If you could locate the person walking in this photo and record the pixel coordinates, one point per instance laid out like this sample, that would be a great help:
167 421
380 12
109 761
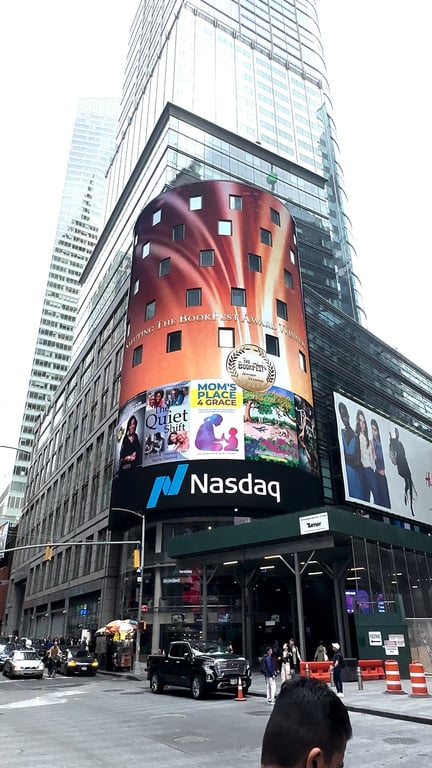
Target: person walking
321 652
338 665
295 658
269 675
285 664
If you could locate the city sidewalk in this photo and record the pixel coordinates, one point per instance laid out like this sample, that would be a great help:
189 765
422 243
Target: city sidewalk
372 700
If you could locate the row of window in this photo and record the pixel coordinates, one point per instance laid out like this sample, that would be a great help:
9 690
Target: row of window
226 339
194 299
206 258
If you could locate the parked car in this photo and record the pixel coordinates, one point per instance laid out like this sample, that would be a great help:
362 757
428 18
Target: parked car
77 661
23 663
201 666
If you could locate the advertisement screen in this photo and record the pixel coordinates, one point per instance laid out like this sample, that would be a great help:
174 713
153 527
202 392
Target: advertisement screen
4 529
216 363
384 465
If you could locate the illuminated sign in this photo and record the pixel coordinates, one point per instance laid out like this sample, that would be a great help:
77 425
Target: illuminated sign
216 364
384 465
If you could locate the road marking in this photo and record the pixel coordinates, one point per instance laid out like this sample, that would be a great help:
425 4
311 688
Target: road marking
43 701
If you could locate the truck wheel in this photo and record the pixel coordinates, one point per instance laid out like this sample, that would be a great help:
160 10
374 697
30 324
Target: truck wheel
197 687
155 684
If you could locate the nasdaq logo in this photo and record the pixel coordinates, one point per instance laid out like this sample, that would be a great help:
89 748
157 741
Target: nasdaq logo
166 486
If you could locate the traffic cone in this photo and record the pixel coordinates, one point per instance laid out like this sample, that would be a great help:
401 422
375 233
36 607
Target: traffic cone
240 695
418 680
393 680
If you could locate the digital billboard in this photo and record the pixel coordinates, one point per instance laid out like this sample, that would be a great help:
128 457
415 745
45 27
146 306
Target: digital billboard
384 465
4 530
215 375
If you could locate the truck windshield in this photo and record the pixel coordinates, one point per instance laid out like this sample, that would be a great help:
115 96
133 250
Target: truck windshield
207 647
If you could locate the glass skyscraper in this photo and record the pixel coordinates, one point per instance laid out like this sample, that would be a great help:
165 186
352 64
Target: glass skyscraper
256 70
230 92
76 236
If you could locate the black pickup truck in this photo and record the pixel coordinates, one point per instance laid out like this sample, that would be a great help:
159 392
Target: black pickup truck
201 666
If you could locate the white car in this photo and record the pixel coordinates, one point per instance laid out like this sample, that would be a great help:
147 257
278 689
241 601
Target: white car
25 663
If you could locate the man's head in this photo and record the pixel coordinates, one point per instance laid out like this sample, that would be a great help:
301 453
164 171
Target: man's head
308 728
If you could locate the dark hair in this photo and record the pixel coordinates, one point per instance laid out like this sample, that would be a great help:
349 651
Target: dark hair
307 714
374 423
358 430
130 420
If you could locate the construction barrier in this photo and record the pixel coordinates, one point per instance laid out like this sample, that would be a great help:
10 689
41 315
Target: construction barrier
392 675
320 670
371 669
418 680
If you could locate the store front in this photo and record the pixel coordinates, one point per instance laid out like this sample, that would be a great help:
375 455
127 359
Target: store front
324 574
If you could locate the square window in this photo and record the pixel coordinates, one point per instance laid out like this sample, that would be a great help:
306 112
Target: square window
288 279
150 310
266 236
173 341
195 203
254 262
206 258
135 288
178 232
164 267
281 309
238 297
193 297
292 257
302 361
137 356
145 250
157 215
224 227
235 202
272 345
226 337
275 216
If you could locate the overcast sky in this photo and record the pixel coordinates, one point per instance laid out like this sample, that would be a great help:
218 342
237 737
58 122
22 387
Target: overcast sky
379 63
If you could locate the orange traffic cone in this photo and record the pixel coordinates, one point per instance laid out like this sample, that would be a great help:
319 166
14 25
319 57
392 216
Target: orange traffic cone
240 695
393 680
418 680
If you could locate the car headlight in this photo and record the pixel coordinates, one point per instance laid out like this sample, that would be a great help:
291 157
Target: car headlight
72 663
41 665
94 664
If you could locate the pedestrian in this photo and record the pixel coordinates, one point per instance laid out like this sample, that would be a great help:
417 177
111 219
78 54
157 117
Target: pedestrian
321 652
308 728
295 658
338 665
285 664
269 673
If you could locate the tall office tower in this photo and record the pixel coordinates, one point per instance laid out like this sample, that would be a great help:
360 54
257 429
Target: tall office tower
256 70
76 235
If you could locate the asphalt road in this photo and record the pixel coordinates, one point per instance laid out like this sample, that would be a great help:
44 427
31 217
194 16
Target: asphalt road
82 722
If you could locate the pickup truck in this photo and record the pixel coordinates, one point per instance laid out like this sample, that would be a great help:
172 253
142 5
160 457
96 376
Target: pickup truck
201 666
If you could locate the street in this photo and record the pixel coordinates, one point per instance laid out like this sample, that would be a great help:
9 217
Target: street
72 723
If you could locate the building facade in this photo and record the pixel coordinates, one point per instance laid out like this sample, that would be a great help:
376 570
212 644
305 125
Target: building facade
76 236
267 127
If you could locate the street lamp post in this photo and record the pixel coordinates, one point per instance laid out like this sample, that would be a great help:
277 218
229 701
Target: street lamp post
140 582
140 596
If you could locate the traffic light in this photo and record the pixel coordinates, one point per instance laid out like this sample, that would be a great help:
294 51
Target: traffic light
136 558
48 552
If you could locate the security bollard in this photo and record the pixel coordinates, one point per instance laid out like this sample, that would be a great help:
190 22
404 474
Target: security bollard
331 677
359 679
307 670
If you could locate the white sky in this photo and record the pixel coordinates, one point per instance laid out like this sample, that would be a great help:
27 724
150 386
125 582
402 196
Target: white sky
379 62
